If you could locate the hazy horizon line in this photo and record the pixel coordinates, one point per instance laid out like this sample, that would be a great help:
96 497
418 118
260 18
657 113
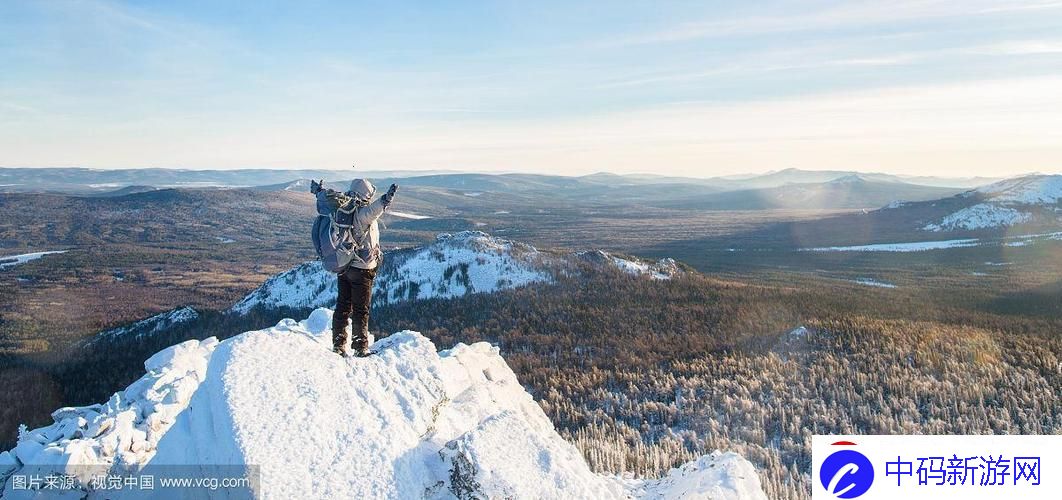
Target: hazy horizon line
448 171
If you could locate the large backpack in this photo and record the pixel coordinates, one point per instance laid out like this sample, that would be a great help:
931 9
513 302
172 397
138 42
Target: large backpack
337 237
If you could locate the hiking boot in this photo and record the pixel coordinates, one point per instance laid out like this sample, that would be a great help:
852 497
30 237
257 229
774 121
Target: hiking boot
360 348
342 351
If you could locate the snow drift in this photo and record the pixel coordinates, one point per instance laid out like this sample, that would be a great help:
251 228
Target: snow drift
409 422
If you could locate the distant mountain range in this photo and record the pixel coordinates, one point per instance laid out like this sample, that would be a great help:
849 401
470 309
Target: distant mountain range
91 180
848 191
798 176
439 192
1003 213
97 180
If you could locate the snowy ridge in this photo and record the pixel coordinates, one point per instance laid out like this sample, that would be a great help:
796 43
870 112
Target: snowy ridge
126 429
409 422
980 216
459 264
306 285
149 326
453 266
1005 203
660 270
1028 190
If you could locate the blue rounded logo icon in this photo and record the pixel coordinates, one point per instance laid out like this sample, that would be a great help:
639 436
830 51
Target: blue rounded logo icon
846 474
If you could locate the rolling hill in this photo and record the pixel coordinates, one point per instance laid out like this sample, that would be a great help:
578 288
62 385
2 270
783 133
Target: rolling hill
1034 200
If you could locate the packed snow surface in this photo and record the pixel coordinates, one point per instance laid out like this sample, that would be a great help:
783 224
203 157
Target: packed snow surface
408 422
14 260
453 266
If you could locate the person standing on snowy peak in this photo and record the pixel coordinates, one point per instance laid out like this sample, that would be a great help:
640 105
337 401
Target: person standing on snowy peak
346 236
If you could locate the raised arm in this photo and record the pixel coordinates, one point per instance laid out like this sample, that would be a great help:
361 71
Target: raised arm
328 200
376 208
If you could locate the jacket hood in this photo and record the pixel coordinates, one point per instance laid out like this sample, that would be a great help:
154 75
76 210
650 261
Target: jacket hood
362 188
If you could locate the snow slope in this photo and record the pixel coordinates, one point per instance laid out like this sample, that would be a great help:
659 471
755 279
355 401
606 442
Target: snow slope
1003 204
459 264
407 215
873 282
154 324
1028 190
409 422
918 246
452 266
14 260
980 216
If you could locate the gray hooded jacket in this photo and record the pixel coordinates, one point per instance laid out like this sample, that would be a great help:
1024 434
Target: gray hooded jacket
367 216
346 232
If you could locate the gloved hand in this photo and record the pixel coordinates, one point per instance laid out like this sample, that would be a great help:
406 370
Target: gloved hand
316 186
390 195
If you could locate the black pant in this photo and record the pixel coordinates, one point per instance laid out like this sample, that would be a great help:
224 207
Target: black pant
355 299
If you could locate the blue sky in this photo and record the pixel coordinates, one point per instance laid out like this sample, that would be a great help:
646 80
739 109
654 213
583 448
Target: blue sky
698 88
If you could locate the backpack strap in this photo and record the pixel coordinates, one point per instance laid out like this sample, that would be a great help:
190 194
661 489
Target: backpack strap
342 236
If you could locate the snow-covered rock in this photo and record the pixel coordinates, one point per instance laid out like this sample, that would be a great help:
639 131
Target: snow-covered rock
453 266
124 432
408 422
716 476
662 269
146 327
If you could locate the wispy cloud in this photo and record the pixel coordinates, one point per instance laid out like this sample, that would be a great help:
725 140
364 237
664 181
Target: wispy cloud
1019 48
144 83
749 68
846 15
19 108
